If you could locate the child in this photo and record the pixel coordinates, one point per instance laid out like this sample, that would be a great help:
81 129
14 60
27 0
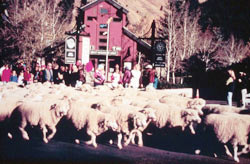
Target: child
20 78
13 77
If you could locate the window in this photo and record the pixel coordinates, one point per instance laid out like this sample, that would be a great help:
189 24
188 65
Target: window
103 33
103 40
102 47
117 19
90 18
103 25
104 11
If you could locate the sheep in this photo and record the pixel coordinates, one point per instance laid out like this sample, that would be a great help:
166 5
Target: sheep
215 108
230 128
184 102
40 113
174 116
196 104
127 121
96 122
150 114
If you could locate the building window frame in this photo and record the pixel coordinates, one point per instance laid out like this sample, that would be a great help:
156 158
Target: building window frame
91 18
101 47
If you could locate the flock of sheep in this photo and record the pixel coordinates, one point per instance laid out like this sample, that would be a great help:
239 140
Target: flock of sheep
125 112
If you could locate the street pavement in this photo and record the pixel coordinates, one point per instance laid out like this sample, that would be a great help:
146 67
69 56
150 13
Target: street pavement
177 148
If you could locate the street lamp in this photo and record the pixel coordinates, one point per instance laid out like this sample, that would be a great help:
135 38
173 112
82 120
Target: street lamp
107 50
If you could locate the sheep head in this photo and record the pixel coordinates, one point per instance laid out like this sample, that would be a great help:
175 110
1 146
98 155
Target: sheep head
150 113
196 104
139 120
61 108
108 122
190 116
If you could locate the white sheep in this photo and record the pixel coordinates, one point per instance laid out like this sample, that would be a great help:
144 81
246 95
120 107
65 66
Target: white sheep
127 120
185 102
151 116
40 113
216 108
96 122
175 116
230 128
197 104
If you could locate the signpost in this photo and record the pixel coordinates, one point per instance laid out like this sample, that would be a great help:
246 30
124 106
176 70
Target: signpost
159 54
158 48
70 50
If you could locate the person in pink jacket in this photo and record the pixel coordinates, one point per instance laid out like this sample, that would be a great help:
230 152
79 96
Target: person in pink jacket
6 74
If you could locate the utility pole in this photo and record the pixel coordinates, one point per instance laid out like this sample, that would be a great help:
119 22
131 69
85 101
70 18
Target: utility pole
107 50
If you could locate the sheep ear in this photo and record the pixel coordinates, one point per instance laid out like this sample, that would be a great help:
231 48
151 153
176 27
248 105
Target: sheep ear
142 111
96 106
101 123
184 113
131 116
52 106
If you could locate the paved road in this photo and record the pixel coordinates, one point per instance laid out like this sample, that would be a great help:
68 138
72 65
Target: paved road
59 152
177 148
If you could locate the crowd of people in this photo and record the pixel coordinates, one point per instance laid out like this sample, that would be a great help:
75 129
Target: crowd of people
74 75
53 73
237 84
134 78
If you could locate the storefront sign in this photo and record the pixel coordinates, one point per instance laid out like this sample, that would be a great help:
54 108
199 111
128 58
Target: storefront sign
70 50
85 50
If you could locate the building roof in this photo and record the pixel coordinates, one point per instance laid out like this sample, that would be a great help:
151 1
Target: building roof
112 2
135 38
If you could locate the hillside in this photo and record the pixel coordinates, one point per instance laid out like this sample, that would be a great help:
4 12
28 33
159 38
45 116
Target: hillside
142 13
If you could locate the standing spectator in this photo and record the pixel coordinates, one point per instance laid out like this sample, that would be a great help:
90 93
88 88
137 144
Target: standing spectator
242 81
42 73
61 73
151 76
116 76
145 76
126 77
55 73
20 78
6 74
13 77
1 71
136 75
156 81
230 83
99 76
74 76
49 73
27 76
37 74
66 76
82 78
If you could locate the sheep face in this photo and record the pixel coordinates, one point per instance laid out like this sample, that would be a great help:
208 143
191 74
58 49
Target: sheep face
61 109
110 123
196 104
140 121
191 116
150 113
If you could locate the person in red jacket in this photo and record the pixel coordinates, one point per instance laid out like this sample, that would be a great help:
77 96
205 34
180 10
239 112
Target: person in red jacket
27 76
6 74
151 76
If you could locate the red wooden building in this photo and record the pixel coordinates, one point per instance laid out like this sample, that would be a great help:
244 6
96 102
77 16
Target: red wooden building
98 34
